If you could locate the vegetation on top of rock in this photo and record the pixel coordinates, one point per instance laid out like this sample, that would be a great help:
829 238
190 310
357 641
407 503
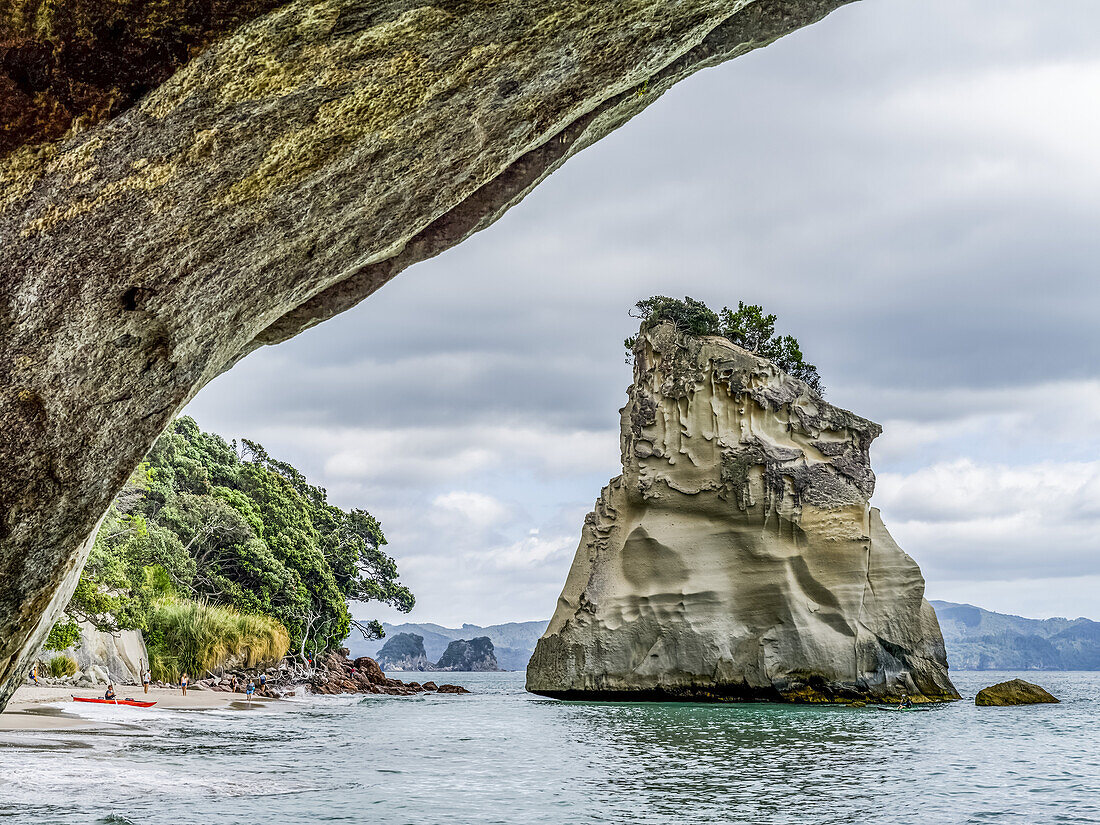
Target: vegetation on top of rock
747 327
402 649
202 520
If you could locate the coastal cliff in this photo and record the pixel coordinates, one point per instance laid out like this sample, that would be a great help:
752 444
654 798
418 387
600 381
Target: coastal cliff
737 556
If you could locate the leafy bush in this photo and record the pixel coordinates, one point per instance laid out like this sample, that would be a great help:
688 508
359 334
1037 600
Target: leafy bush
62 666
747 327
195 637
211 521
63 634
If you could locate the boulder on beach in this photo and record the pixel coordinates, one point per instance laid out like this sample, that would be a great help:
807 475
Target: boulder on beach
1013 692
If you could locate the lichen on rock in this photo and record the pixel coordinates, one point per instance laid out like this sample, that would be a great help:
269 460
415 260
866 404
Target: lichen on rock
737 556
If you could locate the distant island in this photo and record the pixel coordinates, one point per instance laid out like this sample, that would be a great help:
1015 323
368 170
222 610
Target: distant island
980 639
405 651
513 642
976 639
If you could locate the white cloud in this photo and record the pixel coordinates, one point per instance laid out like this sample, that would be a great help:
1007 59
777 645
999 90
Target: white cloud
476 510
529 553
962 491
416 456
1018 119
963 520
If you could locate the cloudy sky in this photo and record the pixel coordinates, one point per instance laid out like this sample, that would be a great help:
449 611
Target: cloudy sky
913 186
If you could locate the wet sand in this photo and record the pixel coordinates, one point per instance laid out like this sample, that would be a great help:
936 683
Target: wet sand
36 708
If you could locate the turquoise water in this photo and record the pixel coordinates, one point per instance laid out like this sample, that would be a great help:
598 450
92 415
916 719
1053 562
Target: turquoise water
503 756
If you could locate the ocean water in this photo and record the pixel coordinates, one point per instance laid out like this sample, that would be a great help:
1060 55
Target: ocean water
504 756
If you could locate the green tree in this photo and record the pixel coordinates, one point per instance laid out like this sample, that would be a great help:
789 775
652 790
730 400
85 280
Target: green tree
204 522
748 327
690 316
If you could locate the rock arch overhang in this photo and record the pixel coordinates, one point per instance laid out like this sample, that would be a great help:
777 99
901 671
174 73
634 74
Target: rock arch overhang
278 178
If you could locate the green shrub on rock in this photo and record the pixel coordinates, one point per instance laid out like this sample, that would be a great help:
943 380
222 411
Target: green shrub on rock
747 327
210 521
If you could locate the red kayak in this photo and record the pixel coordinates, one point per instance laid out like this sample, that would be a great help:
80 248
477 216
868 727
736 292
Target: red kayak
134 703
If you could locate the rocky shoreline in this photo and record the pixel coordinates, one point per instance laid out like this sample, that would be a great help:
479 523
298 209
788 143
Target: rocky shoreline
339 674
332 674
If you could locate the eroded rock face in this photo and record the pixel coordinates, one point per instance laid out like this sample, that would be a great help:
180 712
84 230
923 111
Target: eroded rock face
737 556
405 651
88 60
277 179
121 655
474 655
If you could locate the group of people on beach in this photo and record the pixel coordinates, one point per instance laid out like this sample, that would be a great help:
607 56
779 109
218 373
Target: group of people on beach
185 680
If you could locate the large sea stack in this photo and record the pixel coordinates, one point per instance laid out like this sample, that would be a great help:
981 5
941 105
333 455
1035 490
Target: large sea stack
737 556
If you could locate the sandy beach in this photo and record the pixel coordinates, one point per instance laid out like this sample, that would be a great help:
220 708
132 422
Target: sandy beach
35 708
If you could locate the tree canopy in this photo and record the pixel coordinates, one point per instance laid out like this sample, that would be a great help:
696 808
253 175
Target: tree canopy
747 327
210 521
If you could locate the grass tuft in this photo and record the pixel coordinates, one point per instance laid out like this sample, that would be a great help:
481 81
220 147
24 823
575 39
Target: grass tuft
62 666
197 637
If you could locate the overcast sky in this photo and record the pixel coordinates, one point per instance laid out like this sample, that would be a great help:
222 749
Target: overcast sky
913 186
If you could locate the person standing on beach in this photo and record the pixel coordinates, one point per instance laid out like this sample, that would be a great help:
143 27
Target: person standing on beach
184 681
249 690
146 678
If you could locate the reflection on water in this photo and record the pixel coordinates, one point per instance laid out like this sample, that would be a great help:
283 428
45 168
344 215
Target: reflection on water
503 756
753 759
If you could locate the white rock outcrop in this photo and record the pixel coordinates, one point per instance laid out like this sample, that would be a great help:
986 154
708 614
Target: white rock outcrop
737 556
109 657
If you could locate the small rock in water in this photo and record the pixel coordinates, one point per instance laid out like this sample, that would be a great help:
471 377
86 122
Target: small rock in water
452 689
1014 692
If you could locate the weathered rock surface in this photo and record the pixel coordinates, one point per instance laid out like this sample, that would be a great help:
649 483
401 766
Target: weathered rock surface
469 656
120 655
278 178
737 556
1013 692
404 651
87 60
